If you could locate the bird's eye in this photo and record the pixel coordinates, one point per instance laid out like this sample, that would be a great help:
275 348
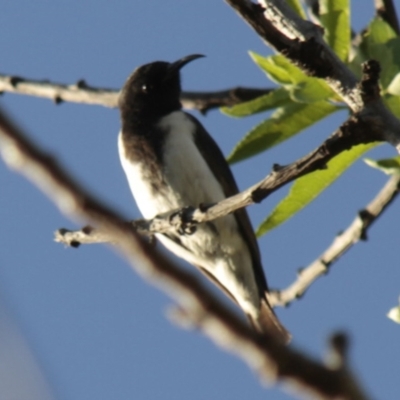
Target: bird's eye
145 88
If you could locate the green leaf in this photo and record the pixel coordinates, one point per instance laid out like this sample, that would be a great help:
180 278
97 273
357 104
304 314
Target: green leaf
380 31
274 99
394 314
279 69
307 188
285 122
382 44
389 166
335 18
393 103
310 91
296 6
394 86
357 57
391 62
302 88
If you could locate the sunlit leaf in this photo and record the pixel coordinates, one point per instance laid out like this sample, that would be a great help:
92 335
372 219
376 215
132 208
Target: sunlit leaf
380 31
389 166
382 44
276 98
302 88
307 188
394 314
285 122
279 69
310 91
394 86
335 18
393 103
357 57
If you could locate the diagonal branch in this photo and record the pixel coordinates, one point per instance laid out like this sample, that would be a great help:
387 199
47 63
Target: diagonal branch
351 133
197 304
81 92
302 43
355 232
387 10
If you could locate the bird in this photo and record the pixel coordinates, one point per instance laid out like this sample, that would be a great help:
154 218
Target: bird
171 162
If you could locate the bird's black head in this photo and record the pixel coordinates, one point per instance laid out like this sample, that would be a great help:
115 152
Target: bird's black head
153 90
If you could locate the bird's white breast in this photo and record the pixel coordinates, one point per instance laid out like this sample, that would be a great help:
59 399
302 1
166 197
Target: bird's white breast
217 247
188 178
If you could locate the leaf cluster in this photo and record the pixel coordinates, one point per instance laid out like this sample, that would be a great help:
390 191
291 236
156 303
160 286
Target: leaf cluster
299 101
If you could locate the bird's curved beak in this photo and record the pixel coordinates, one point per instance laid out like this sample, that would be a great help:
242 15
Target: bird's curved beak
177 65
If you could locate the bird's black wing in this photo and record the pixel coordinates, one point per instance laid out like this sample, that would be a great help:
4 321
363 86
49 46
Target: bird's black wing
220 168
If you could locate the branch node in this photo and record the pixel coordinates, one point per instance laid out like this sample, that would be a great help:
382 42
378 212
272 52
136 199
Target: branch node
87 229
339 348
299 295
369 84
62 236
326 265
277 167
257 196
81 84
182 221
366 218
57 99
14 80
203 207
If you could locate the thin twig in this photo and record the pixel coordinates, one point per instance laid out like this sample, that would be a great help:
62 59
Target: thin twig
81 92
205 101
355 232
91 235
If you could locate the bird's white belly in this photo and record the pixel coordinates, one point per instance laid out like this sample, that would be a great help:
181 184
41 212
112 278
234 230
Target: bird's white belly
188 179
218 247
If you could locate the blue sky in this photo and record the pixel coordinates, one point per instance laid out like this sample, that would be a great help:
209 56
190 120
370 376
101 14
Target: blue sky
96 330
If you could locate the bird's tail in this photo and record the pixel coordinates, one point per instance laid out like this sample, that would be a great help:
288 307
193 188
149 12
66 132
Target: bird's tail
267 322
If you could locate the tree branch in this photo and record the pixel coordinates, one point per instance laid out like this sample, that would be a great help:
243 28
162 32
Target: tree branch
183 221
91 235
205 101
198 305
81 92
302 42
355 232
387 11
